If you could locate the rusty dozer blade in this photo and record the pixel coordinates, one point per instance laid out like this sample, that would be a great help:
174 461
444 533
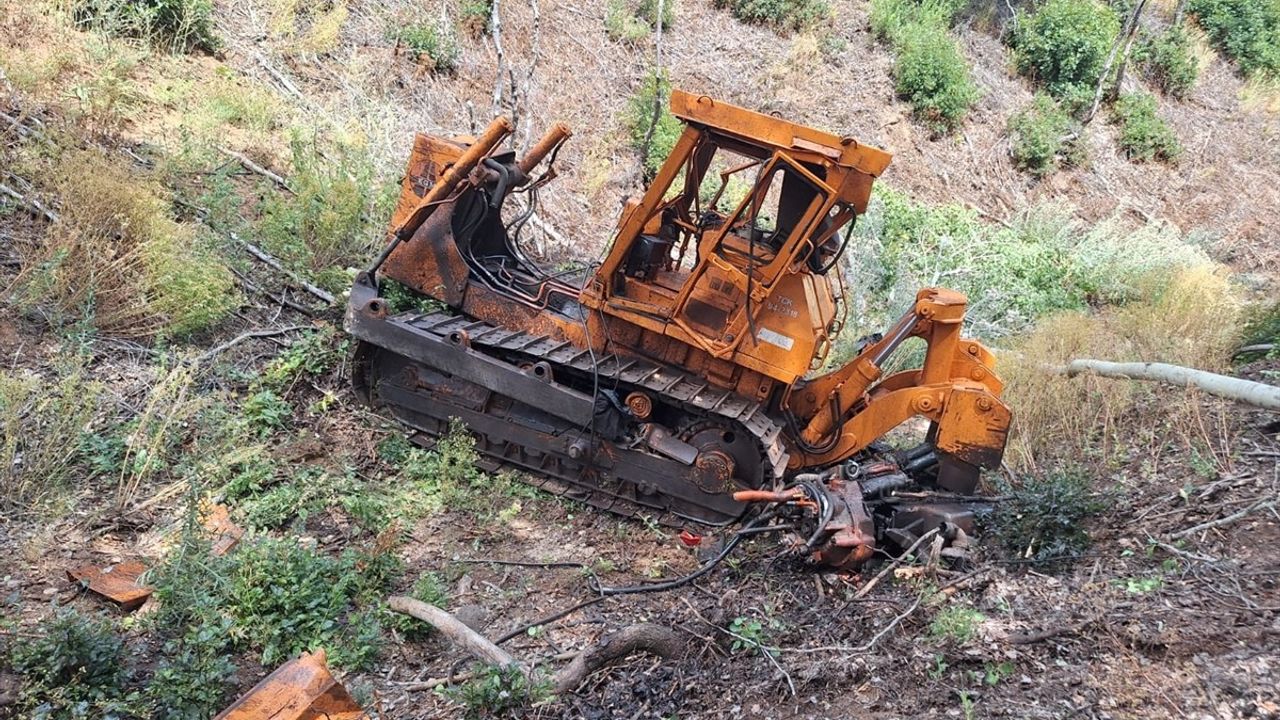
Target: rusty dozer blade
301 689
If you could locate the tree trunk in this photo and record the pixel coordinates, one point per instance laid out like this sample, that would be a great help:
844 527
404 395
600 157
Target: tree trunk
1246 391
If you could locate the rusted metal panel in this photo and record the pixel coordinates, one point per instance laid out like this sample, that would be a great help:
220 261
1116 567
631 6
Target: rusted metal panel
301 689
118 583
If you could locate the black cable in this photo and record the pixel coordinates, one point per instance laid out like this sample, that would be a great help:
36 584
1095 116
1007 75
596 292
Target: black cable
839 253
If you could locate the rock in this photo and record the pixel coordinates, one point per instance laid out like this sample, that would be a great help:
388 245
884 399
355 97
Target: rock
473 616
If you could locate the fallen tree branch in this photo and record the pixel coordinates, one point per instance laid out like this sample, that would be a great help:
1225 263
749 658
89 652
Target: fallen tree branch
1251 349
267 258
29 203
470 640
272 332
647 637
254 167
1223 520
1246 391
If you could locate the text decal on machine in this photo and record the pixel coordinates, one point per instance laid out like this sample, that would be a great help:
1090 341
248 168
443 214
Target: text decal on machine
775 338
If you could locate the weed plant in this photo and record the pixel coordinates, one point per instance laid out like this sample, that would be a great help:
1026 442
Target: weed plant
1170 62
1063 45
1045 137
1144 137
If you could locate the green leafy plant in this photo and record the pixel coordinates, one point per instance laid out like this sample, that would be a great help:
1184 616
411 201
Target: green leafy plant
432 43
1168 60
1143 135
401 298
499 692
314 353
957 623
477 15
266 411
1043 520
931 73
653 140
430 588
1064 45
178 24
1045 137
75 668
195 673
786 15
1247 31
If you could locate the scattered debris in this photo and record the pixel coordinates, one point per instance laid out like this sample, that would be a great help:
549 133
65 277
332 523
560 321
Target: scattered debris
222 529
118 583
301 689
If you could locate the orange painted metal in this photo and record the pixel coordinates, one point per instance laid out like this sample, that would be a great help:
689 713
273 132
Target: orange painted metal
301 689
118 583
223 531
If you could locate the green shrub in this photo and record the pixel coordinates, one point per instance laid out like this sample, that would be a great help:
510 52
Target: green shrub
178 24
499 692
1045 137
889 18
429 588
74 668
1043 519
626 23
792 15
1143 135
476 16
332 218
648 12
1247 31
1064 45
431 43
931 73
195 673
314 353
639 118
957 623
1169 61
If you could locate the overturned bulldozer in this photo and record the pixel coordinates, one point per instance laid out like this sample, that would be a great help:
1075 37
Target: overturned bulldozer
679 377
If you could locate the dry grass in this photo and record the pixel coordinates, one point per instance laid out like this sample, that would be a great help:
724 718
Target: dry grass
115 260
1192 318
40 426
169 407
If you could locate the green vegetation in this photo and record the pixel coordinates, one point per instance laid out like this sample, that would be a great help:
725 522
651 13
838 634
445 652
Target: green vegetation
177 24
1043 521
429 588
499 692
1064 45
929 69
1247 31
1045 137
476 16
957 623
1143 135
333 216
786 15
74 668
625 22
1169 61
431 43
652 140
36 467
267 412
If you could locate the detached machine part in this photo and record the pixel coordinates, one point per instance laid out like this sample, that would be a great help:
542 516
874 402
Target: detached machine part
680 378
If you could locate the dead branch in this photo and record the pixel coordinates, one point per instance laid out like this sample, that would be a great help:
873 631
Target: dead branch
254 167
1251 349
267 258
1265 503
470 640
897 561
284 81
647 637
1124 39
29 203
1246 391
271 332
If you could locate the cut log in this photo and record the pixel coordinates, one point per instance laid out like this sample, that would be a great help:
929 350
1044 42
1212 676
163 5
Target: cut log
1246 391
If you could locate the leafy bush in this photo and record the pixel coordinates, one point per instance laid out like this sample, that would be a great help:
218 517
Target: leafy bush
957 623
1247 31
1143 135
498 692
431 43
1045 137
429 588
75 668
1043 520
315 353
639 119
1064 45
890 18
648 11
179 24
1169 61
267 411
931 73
332 218
194 674
793 15
626 23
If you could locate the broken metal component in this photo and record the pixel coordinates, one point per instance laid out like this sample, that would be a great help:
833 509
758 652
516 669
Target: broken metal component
118 583
301 689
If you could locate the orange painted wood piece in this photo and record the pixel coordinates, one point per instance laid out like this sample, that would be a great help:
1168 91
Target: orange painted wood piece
225 533
301 689
118 583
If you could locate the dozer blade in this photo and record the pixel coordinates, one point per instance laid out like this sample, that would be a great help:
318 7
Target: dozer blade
301 689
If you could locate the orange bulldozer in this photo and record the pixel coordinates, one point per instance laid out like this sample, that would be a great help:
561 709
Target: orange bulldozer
682 376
